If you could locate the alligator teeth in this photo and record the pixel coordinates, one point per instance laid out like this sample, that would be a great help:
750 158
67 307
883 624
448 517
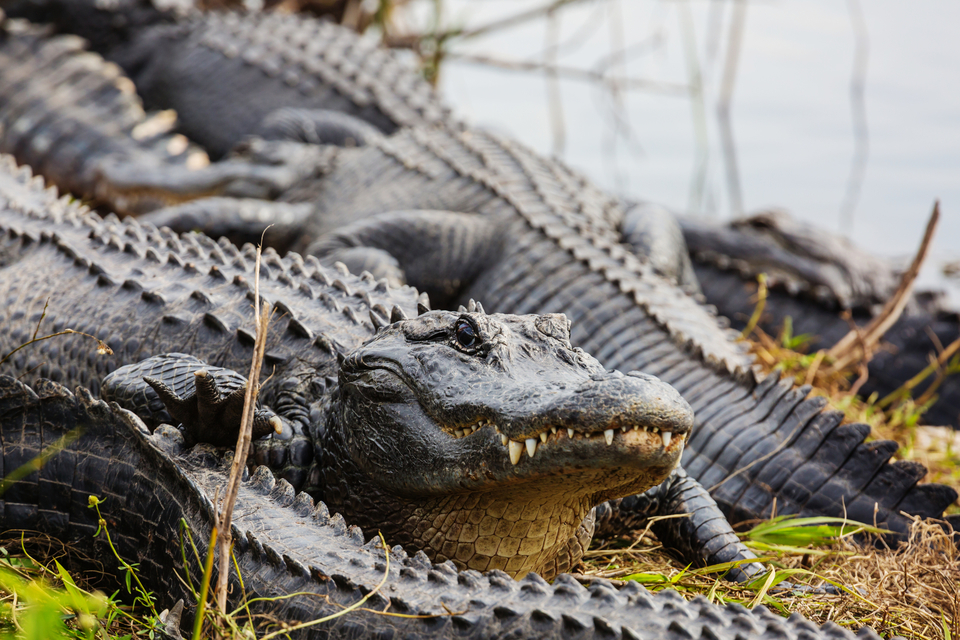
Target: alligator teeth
553 430
608 436
665 436
543 437
531 446
277 425
458 433
504 439
516 448
570 433
623 429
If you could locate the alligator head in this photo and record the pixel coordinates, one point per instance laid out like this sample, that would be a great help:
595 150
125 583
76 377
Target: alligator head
488 439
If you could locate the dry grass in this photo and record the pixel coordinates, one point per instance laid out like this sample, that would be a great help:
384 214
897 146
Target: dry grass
912 591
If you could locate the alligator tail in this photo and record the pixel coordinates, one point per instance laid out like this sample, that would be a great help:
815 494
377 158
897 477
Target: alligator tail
785 454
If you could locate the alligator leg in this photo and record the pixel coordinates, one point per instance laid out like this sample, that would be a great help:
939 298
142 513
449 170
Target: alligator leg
239 219
703 538
316 126
436 251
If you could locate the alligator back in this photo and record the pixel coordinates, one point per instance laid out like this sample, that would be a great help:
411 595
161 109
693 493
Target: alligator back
65 111
224 72
144 292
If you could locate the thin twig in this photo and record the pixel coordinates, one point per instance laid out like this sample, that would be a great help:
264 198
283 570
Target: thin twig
910 384
410 40
575 73
224 540
43 314
757 310
554 99
731 62
847 350
858 114
102 347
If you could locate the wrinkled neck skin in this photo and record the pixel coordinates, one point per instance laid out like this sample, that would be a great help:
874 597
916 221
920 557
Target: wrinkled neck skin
517 529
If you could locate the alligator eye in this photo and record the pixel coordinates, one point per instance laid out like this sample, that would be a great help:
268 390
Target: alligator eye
466 335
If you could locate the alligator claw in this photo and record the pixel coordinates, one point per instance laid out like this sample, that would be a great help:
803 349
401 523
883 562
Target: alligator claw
170 621
209 415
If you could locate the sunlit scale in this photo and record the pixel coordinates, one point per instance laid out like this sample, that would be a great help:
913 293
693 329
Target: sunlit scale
515 449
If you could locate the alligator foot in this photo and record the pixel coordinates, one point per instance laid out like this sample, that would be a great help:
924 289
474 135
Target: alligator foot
209 415
317 126
207 401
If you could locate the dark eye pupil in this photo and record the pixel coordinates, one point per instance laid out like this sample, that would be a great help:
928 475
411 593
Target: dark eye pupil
466 336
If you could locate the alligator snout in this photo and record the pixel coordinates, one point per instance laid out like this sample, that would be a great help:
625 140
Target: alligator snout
601 407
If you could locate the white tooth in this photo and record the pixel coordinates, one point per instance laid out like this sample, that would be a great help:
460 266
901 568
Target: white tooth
553 430
543 437
473 428
531 446
504 439
665 436
516 448
459 433
608 436
645 429
636 427
623 429
570 433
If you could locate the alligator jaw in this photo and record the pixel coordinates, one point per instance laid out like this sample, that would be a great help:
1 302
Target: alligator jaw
629 435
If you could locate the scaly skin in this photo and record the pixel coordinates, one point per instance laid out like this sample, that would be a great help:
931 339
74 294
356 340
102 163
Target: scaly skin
530 236
564 254
284 544
145 292
225 72
72 116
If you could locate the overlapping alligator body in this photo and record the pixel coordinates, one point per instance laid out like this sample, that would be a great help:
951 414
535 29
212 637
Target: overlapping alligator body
73 116
533 236
226 73
529 235
287 545
146 292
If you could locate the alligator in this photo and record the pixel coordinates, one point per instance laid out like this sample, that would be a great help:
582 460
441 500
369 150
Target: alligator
550 241
230 74
287 544
813 278
71 115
